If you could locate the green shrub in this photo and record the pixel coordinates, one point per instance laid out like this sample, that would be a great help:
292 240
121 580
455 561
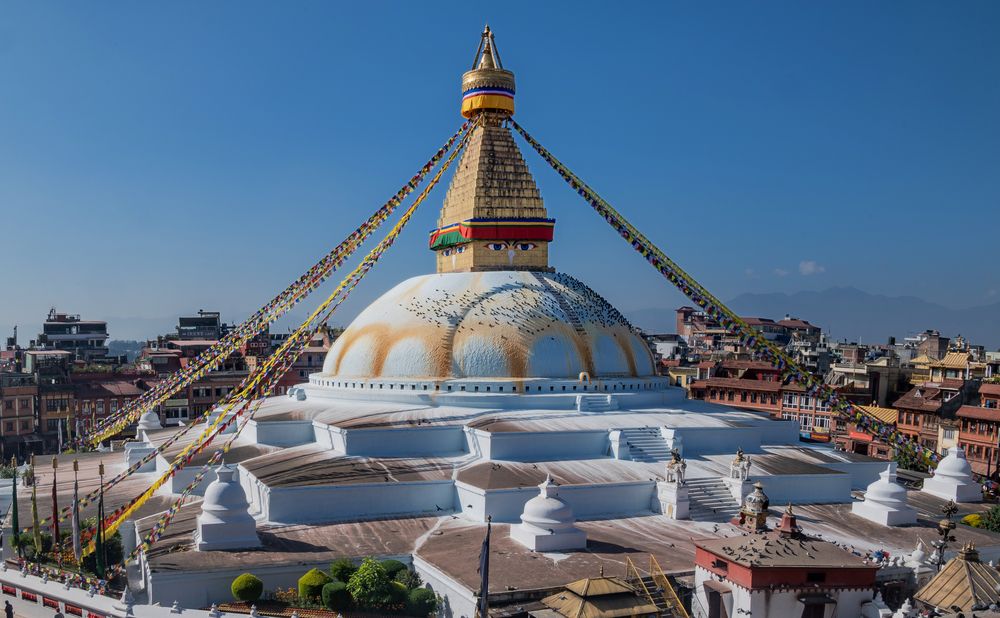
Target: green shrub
370 586
409 578
990 519
421 602
342 569
398 594
975 520
392 567
247 587
336 597
311 584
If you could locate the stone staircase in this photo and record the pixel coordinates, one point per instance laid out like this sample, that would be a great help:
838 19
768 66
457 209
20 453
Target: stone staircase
646 444
596 403
710 500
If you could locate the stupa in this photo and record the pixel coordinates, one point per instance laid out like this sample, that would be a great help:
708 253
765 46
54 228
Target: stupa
224 523
885 501
952 479
547 522
451 397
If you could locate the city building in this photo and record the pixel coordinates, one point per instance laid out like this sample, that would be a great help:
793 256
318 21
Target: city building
205 325
85 340
18 396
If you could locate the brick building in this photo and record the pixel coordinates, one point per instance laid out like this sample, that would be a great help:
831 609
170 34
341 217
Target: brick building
18 396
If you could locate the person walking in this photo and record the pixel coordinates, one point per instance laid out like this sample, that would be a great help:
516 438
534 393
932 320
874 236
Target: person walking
8 610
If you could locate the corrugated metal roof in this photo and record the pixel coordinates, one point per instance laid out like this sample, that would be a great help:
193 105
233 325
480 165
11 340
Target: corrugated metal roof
886 415
953 360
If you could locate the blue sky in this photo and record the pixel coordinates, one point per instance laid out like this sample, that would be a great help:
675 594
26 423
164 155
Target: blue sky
160 158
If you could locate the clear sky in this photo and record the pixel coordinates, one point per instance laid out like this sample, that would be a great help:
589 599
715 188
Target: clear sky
160 158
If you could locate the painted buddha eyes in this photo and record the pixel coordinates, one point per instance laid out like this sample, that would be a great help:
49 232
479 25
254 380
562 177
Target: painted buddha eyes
520 246
454 250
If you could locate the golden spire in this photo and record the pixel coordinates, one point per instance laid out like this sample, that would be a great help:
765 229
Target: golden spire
493 216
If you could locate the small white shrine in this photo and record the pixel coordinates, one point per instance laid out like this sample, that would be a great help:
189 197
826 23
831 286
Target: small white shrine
148 422
953 480
225 522
547 523
885 501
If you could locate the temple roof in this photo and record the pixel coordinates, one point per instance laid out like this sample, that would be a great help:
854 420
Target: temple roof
599 597
773 549
964 582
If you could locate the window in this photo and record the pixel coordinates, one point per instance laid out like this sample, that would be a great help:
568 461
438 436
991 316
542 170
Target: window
815 577
52 424
24 425
9 404
9 426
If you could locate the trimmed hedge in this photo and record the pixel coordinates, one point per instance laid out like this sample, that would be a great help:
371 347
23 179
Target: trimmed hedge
421 602
311 584
247 587
392 567
336 597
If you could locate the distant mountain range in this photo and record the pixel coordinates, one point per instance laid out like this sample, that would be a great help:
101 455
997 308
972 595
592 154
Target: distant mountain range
850 313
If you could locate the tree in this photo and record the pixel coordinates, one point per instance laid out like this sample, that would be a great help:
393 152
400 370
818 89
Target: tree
990 520
342 569
336 597
409 578
370 586
247 587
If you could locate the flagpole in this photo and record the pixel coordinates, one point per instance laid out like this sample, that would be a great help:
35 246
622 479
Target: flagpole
99 540
56 541
15 524
77 550
36 527
483 606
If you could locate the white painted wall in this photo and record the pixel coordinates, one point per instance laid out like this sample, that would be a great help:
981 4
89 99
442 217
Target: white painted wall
534 446
358 501
280 433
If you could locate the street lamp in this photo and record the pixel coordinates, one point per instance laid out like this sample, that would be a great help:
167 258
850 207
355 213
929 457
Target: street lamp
945 526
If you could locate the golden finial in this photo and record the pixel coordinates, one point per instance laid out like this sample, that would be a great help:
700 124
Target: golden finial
487 86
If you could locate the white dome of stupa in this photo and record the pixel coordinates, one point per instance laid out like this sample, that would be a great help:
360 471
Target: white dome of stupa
886 491
489 324
546 510
547 522
885 501
225 522
149 421
954 465
953 479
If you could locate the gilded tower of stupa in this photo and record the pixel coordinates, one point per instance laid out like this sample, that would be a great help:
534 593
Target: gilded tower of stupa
493 217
